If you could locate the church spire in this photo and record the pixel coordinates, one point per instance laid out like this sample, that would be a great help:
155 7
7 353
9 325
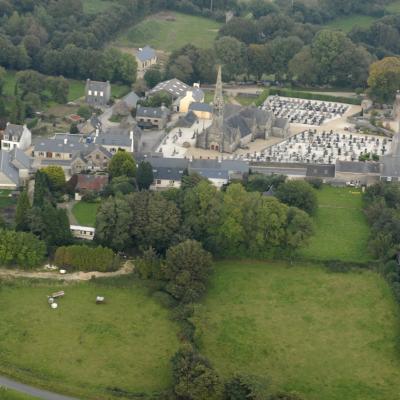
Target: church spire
218 96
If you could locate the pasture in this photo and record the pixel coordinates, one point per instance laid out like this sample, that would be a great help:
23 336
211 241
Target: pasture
85 213
170 31
114 350
341 230
327 336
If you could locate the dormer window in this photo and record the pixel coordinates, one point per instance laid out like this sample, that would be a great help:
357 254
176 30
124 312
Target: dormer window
90 92
95 92
5 137
15 139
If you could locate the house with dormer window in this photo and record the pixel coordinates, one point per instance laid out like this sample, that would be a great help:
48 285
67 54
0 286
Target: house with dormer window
97 94
16 137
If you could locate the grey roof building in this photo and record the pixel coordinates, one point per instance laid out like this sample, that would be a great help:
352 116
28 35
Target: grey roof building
14 168
146 54
174 87
97 94
152 117
216 169
202 107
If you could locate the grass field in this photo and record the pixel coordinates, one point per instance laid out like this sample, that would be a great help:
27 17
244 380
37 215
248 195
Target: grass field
96 6
328 336
8 394
170 31
5 200
346 24
85 213
81 348
393 7
341 229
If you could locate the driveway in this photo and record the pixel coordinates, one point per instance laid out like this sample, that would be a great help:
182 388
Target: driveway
32 391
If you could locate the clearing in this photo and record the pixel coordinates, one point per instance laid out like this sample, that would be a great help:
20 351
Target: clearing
347 23
169 31
96 6
85 213
327 336
86 350
342 231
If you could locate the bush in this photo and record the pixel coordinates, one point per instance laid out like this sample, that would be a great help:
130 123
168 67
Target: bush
85 258
316 183
298 194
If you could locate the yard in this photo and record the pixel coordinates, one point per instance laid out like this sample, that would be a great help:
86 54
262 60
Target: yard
85 213
170 31
117 350
5 199
327 336
341 229
8 394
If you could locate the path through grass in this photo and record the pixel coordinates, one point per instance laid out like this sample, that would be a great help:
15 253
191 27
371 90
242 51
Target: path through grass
81 348
327 336
342 231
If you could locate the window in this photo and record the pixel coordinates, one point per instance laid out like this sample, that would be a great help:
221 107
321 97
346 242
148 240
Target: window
89 92
97 156
95 92
58 155
101 94
70 155
158 181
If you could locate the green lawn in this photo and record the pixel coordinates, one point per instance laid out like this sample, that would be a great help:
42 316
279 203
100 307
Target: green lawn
168 35
327 336
341 229
8 394
346 24
85 349
85 213
5 199
96 6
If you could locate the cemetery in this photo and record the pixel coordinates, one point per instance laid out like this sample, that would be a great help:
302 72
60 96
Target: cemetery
323 148
306 112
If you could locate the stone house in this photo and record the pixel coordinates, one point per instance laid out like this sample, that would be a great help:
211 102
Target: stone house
16 136
193 95
152 117
146 57
97 94
15 167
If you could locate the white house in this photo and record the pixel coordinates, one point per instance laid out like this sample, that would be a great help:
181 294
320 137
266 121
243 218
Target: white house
16 137
82 232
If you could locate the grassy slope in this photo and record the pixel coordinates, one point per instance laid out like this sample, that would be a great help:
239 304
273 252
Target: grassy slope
85 213
171 35
341 229
8 394
82 348
327 336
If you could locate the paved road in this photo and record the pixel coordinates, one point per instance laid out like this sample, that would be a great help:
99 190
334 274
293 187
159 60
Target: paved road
26 389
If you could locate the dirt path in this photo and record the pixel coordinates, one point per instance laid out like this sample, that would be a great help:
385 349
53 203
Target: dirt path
68 207
75 276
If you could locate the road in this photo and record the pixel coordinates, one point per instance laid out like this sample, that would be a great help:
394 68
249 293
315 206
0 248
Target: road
32 391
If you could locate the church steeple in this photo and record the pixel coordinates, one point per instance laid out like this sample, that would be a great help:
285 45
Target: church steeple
218 96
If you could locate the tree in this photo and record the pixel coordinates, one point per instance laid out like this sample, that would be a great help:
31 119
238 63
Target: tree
181 68
122 164
298 194
58 88
298 230
2 78
144 175
55 177
187 269
153 76
194 378
384 79
41 190
22 212
243 387
231 53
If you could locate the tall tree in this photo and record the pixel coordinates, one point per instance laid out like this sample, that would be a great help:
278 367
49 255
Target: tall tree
144 175
122 164
22 212
384 79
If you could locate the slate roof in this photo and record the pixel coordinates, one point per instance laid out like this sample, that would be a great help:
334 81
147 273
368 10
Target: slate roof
203 107
7 168
113 139
13 130
150 112
97 85
19 159
168 168
131 99
391 167
59 146
211 173
209 168
358 167
197 94
174 87
187 121
146 54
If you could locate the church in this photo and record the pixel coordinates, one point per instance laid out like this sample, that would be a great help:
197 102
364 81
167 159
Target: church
234 126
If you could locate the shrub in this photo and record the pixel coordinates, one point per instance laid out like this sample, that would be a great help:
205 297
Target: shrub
316 183
85 258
